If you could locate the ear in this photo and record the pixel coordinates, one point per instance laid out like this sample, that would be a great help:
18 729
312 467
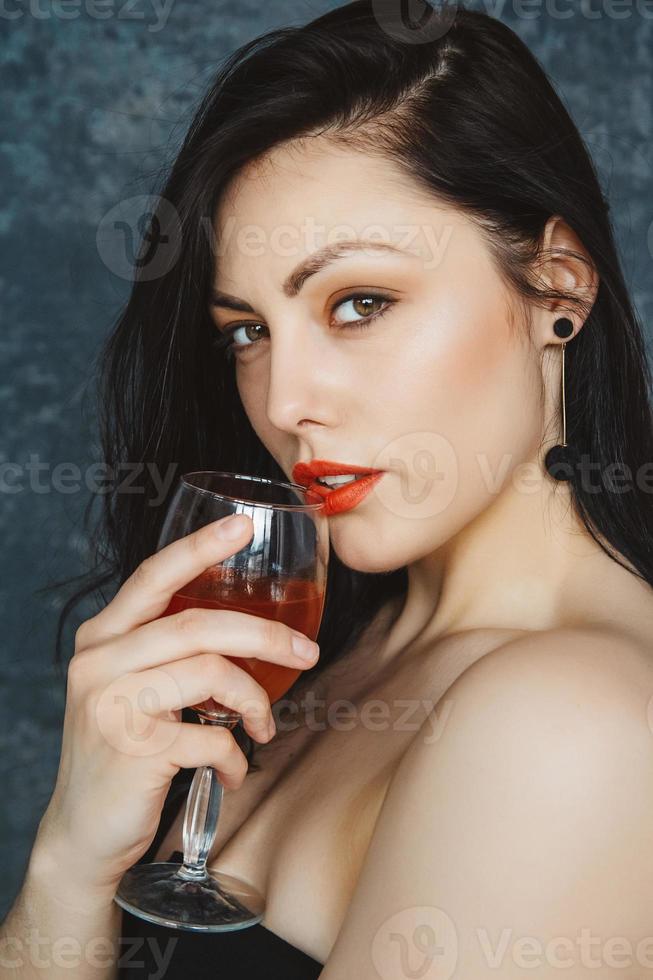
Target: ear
564 264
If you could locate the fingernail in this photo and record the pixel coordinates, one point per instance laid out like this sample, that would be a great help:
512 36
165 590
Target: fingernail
232 527
304 647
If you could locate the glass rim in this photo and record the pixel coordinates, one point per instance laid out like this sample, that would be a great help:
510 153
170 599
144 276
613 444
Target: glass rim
186 480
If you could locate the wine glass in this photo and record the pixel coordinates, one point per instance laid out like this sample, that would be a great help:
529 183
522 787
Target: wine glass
281 575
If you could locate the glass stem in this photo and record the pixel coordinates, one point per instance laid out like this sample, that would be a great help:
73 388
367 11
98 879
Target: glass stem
202 812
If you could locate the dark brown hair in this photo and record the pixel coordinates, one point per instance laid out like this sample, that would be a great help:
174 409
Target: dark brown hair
472 118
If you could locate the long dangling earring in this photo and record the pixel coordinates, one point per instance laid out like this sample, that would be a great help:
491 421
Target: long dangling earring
560 459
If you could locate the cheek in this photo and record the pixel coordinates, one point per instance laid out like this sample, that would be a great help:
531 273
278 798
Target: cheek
474 381
250 398
491 392
465 411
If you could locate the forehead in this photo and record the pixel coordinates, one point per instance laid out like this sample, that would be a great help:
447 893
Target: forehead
288 176
309 193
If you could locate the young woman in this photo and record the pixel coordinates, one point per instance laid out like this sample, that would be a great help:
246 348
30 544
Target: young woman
481 805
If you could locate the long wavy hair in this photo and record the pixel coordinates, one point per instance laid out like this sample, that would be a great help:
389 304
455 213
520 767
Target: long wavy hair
470 116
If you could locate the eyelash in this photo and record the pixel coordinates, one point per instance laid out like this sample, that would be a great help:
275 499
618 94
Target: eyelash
224 341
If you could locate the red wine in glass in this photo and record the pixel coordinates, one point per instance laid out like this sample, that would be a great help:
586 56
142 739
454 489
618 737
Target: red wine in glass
280 574
296 602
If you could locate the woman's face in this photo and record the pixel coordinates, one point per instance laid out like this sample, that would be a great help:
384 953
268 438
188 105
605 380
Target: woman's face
422 374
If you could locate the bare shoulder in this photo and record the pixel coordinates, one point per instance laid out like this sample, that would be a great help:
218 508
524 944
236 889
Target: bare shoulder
586 661
525 819
572 698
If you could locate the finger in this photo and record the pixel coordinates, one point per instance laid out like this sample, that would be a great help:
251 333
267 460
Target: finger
197 630
148 591
191 681
209 745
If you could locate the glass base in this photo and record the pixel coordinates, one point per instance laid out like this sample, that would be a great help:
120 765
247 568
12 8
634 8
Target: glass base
219 903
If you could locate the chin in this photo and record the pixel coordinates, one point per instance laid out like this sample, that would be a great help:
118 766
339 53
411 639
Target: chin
372 567
369 552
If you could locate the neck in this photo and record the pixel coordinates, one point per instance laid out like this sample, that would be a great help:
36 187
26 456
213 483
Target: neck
526 562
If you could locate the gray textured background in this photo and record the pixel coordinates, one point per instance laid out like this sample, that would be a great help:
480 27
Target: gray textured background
92 109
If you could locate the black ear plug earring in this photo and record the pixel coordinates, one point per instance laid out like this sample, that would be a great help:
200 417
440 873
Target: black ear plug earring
560 459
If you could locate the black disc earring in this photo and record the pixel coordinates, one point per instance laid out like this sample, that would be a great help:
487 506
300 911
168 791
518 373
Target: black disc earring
560 459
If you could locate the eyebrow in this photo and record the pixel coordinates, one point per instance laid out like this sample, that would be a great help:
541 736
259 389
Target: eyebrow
309 267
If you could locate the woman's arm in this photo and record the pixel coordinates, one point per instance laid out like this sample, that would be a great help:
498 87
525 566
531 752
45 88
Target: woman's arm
59 926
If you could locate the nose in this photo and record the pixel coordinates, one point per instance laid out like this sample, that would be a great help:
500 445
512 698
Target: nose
303 388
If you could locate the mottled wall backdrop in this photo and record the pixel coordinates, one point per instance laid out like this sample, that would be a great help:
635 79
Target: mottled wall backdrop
96 99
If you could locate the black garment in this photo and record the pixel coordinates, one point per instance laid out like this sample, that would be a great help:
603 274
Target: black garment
153 952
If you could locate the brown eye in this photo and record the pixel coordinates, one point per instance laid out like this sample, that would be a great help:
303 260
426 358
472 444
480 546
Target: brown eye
362 305
365 308
244 335
250 331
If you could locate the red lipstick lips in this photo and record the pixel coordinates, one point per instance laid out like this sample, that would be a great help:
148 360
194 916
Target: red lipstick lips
342 498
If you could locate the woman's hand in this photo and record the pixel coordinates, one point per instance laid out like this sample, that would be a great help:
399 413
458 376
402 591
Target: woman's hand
131 674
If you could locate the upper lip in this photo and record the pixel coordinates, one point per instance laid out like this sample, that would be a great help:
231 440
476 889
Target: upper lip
305 473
